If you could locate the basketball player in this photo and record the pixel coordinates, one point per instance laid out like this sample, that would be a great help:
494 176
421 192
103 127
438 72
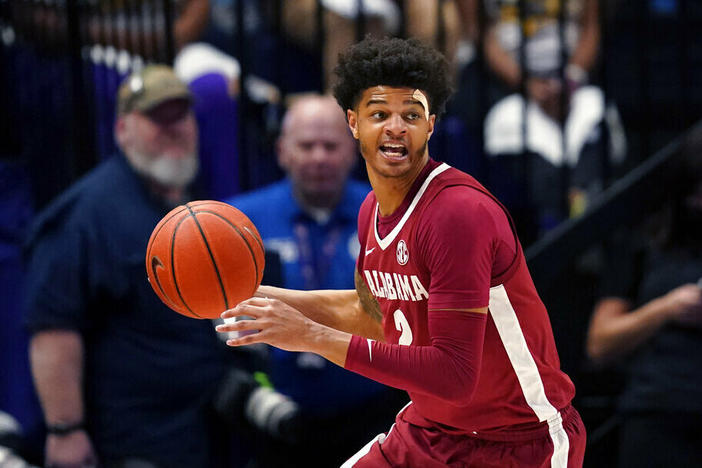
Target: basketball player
444 305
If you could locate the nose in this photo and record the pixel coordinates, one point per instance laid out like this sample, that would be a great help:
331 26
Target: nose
395 126
318 154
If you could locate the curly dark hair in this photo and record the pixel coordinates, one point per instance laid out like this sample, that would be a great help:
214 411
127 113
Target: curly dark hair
392 62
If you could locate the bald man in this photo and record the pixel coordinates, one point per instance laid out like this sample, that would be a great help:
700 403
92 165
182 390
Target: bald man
317 152
309 219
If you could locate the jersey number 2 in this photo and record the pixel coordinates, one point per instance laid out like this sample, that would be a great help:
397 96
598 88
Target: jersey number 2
403 326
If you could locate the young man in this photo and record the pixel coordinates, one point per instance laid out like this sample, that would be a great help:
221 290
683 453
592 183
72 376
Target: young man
445 307
309 220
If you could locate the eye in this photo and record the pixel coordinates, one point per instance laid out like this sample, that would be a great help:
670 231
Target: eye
412 115
378 115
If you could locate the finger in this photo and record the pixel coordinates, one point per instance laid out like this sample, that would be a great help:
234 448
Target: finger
240 325
259 300
252 306
243 309
245 340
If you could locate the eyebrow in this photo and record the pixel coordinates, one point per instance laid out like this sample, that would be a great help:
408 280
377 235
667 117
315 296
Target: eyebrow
410 101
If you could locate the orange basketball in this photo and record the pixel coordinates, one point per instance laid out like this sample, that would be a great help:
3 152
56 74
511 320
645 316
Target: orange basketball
203 258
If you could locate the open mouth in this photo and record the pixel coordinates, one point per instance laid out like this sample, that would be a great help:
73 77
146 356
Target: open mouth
395 151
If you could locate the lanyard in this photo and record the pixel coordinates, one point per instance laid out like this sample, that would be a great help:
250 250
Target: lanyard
315 260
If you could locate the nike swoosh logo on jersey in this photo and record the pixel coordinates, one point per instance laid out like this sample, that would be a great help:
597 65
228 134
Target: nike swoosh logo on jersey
368 251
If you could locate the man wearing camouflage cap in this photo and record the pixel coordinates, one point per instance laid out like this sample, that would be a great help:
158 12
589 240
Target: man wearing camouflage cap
116 386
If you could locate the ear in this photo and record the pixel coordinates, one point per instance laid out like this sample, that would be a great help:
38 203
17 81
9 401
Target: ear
353 122
120 131
430 129
283 157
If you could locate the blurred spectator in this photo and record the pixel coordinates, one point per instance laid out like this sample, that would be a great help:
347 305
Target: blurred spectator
649 320
18 402
291 26
213 78
114 384
309 219
138 27
126 34
548 50
433 21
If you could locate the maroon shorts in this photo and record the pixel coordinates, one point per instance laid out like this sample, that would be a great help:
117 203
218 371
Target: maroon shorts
407 445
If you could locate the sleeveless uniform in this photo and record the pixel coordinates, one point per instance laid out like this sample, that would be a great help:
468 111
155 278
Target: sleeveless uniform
451 245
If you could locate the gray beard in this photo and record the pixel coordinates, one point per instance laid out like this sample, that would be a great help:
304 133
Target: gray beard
169 172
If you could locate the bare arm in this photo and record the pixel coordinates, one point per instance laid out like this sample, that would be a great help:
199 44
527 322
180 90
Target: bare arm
56 358
468 12
615 330
585 52
356 312
500 61
191 21
277 320
321 321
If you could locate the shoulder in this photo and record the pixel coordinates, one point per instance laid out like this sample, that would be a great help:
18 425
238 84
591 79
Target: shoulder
77 207
269 197
454 198
464 208
269 208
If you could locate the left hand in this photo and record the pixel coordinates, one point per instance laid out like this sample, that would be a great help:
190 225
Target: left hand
273 322
686 303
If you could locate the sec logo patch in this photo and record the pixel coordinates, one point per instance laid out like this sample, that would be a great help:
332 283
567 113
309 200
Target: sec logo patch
402 253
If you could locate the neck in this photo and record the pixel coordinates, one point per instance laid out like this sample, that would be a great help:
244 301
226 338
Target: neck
314 204
391 191
173 196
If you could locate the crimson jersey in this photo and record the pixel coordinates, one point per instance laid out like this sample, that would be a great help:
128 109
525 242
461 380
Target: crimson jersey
452 246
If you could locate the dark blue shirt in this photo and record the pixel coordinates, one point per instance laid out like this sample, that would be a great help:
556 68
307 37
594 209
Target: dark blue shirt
663 374
148 371
314 255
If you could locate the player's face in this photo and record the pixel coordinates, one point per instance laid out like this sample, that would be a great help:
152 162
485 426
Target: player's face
393 126
317 152
162 143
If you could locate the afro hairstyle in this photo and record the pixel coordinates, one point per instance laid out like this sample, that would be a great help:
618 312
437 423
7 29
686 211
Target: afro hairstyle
402 63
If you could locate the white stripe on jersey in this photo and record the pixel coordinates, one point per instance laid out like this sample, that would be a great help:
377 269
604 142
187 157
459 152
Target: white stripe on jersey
363 452
527 373
380 438
383 243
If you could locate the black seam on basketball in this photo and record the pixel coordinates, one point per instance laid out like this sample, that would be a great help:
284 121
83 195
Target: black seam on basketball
154 265
170 302
263 250
163 222
173 272
253 255
209 250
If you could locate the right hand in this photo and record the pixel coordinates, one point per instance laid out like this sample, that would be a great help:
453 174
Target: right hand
274 323
72 450
685 304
